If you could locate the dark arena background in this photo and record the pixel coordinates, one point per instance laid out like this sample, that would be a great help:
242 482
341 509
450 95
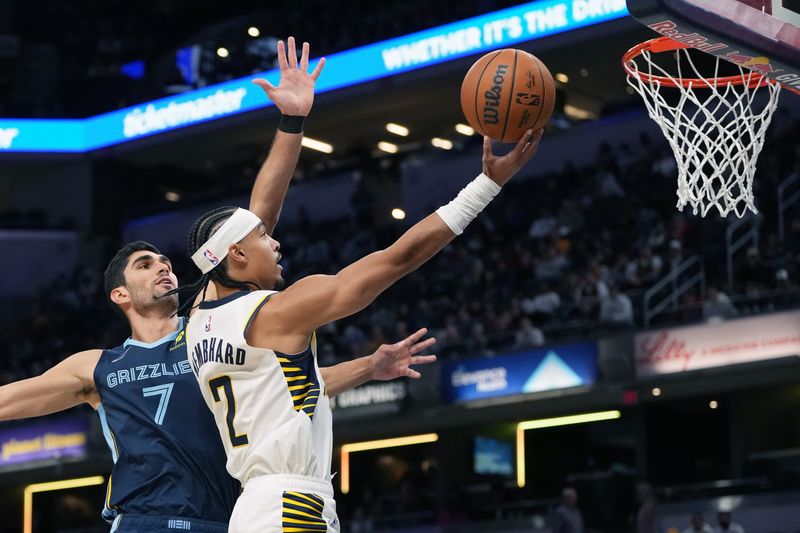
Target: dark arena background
600 352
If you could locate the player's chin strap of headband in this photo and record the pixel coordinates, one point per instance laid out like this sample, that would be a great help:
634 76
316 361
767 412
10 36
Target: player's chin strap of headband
215 249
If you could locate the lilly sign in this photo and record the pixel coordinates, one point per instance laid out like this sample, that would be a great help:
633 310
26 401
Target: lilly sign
494 30
743 340
547 369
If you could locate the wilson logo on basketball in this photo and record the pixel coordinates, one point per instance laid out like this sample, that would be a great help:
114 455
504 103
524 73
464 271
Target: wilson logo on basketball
491 114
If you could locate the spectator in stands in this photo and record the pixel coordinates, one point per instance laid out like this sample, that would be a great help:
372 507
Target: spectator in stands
543 225
570 218
753 275
608 185
699 524
616 309
645 514
645 270
726 525
775 255
544 305
717 306
786 290
567 517
528 335
550 263
674 254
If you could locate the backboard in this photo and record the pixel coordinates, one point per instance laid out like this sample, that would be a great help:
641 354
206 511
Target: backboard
762 35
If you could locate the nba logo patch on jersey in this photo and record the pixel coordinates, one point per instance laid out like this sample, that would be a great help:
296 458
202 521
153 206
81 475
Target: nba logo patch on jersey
213 259
207 327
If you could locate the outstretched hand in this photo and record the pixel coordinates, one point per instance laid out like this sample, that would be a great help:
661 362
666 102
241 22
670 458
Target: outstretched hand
392 361
294 94
500 169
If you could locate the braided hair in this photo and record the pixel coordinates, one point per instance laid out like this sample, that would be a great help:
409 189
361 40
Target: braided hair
202 230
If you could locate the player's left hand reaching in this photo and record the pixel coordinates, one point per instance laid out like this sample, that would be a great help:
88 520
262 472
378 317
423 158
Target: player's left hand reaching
294 94
392 361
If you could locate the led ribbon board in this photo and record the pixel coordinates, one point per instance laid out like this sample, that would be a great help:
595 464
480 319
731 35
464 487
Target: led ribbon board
494 30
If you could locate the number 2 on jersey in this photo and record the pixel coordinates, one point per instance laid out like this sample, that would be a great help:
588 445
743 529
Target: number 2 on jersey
224 382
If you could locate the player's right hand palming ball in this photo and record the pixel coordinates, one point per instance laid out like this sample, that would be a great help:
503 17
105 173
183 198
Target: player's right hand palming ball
507 92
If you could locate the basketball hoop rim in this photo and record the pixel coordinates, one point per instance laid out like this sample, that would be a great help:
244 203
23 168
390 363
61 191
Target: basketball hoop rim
665 44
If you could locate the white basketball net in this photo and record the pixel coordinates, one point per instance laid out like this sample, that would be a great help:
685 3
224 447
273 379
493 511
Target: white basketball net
716 131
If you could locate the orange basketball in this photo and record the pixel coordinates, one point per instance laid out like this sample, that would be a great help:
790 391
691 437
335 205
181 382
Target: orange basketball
506 92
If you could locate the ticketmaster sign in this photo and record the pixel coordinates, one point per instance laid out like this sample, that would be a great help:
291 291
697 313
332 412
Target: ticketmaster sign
422 49
523 372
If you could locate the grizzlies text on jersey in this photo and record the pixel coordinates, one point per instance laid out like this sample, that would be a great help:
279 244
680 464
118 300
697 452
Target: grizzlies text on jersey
168 459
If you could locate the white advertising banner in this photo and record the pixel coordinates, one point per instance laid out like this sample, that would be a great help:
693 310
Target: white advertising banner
710 345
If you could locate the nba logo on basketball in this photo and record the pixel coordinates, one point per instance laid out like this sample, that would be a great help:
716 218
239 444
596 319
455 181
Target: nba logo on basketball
207 327
208 254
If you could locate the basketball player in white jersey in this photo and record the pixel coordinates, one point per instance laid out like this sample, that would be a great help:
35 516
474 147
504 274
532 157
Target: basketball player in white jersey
168 479
253 351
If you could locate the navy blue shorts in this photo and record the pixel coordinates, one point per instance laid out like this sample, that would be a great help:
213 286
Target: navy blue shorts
133 523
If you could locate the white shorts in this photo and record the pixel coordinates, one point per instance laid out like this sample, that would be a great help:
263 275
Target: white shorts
285 504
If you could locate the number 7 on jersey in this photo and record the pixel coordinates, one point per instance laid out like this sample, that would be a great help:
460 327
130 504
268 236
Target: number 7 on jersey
224 382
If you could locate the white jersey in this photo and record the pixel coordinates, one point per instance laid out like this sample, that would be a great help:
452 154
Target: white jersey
271 408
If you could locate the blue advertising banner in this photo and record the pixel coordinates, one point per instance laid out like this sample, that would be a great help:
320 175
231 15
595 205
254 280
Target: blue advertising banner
523 372
483 33
44 440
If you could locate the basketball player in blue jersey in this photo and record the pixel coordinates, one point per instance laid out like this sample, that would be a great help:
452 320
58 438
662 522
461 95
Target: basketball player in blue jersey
253 349
169 465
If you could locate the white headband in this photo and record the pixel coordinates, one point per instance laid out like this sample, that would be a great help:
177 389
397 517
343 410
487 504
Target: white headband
215 249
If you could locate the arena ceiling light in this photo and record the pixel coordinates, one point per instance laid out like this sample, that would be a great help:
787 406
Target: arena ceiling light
398 214
397 129
561 77
319 146
444 144
172 196
387 147
347 449
222 51
463 129
578 113
542 423
30 490
252 31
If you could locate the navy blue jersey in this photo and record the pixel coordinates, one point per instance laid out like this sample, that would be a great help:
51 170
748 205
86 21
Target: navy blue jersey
168 458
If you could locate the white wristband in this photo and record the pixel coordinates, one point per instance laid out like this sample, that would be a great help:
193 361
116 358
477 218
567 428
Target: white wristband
470 201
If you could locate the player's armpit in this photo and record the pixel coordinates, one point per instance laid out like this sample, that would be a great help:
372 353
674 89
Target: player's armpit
66 385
